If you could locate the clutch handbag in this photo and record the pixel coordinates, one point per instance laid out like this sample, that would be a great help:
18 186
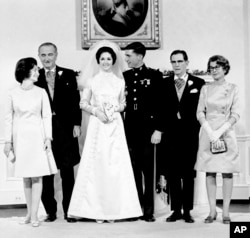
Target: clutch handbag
51 162
217 150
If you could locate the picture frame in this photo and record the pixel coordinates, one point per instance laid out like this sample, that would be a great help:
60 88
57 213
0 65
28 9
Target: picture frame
100 21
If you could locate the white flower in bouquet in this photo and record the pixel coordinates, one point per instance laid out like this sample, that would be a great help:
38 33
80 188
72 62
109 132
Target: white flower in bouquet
109 110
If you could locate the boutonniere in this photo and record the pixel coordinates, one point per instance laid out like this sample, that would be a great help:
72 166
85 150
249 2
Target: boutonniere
190 82
195 90
145 82
60 73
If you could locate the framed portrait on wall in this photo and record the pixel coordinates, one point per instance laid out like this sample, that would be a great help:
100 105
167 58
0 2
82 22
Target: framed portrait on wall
122 21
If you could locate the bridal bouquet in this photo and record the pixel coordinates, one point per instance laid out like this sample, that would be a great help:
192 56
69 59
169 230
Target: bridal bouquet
109 110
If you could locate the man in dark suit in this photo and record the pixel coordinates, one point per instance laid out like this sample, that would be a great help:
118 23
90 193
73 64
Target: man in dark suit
61 86
142 123
180 140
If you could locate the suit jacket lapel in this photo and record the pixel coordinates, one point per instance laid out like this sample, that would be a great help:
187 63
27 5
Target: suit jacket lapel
56 82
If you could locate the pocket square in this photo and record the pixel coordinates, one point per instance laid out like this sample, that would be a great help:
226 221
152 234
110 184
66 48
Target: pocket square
195 90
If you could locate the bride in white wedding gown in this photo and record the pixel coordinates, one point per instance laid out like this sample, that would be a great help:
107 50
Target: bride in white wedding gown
105 187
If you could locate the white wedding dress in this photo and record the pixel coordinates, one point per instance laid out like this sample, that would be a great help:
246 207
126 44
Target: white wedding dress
105 187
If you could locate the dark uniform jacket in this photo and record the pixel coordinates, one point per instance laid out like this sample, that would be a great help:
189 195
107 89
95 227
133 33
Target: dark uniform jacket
142 113
66 114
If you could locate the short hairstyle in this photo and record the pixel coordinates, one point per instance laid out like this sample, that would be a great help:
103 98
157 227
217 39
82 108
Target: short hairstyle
137 47
23 68
47 44
105 49
220 60
183 52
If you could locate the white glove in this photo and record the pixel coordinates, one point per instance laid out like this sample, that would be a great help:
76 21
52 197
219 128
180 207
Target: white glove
208 130
101 115
219 132
117 108
156 137
7 148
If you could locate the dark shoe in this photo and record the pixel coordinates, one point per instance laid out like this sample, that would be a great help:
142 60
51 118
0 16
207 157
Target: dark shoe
132 219
226 220
70 219
50 218
210 219
111 221
188 218
149 218
174 217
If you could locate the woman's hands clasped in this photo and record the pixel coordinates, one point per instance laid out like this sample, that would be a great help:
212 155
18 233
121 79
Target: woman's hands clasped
101 116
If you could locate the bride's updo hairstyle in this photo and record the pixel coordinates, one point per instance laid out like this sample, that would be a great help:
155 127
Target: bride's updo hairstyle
105 49
92 67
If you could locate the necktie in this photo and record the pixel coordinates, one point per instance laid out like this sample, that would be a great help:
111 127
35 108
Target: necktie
50 78
179 83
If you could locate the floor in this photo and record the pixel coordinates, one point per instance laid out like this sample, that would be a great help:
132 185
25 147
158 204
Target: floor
20 210
237 206
10 217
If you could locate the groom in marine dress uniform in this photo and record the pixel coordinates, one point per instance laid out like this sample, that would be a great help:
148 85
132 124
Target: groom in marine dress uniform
61 86
142 122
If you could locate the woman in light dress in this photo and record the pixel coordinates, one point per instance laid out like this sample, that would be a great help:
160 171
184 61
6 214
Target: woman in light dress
218 111
29 134
105 187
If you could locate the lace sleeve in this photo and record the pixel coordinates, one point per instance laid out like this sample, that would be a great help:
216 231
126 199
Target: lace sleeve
85 103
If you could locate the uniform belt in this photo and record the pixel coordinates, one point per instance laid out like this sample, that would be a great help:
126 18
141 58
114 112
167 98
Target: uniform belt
135 106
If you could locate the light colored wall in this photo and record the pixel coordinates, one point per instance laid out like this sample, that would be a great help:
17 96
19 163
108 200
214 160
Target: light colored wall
201 27
25 24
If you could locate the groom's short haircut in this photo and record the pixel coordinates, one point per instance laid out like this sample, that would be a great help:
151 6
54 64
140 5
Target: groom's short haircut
137 47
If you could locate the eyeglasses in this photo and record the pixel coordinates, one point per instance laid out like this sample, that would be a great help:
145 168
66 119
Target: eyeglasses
216 67
177 62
